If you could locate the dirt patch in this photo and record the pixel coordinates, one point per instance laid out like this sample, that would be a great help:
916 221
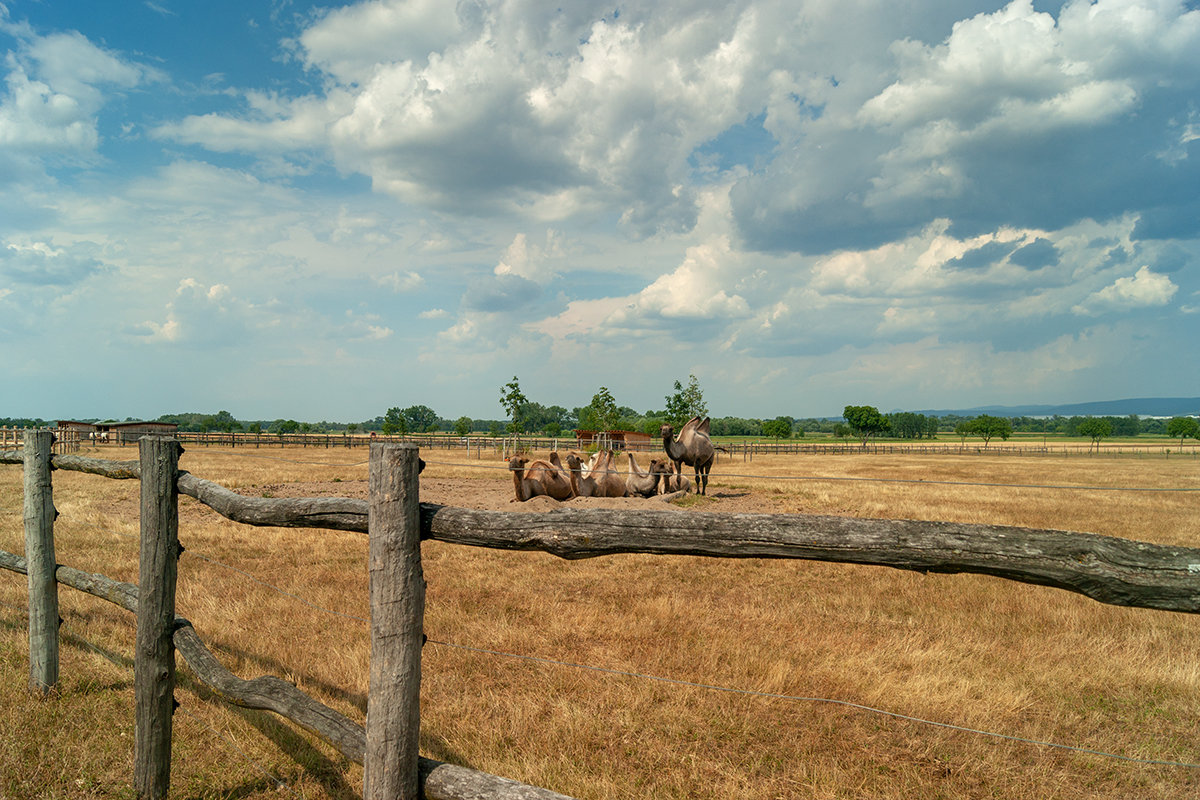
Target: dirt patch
498 496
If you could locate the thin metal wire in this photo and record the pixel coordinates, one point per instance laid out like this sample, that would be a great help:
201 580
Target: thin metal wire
833 478
749 692
232 454
717 688
279 783
776 696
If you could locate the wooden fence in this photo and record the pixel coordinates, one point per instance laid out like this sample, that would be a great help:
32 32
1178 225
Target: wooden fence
65 440
1107 569
488 446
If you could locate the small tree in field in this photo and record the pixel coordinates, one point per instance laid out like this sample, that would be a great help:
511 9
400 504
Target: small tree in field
394 422
686 403
1183 427
462 426
512 399
1097 428
866 421
603 410
986 427
778 428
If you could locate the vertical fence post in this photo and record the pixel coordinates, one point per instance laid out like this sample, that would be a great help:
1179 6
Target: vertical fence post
397 588
39 561
154 660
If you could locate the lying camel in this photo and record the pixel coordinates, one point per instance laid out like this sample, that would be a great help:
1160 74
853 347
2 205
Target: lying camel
642 484
584 485
672 481
599 479
536 478
609 482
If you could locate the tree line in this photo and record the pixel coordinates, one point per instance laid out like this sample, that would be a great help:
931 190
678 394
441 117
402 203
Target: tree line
684 401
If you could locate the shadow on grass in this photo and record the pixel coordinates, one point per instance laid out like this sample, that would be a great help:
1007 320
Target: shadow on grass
271 665
328 772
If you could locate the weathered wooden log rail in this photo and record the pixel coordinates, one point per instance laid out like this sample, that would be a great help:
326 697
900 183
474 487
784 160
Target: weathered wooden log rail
433 780
1107 569
439 780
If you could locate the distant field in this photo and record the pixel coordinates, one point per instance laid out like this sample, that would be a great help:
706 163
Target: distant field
977 652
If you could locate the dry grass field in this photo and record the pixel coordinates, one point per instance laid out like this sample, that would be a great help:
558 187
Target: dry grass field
971 651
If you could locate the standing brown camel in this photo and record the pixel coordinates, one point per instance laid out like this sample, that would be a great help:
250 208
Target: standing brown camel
693 447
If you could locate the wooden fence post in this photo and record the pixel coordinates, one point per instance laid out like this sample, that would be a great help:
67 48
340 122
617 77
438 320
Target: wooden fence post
397 589
154 659
39 558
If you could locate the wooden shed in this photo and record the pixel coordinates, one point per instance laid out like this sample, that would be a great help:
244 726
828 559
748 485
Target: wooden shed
616 440
130 432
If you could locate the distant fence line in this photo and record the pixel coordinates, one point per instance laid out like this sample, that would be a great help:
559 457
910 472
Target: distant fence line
69 441
65 440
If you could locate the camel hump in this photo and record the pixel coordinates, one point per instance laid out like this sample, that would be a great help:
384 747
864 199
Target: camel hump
705 427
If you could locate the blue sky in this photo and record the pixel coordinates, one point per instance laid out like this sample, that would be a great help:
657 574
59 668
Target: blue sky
282 209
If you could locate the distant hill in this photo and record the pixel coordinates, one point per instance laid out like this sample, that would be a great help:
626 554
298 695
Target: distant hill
1142 406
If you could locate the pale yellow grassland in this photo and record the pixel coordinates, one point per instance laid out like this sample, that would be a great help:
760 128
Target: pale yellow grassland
969 650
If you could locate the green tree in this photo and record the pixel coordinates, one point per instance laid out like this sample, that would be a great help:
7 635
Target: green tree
420 419
778 428
1097 428
686 403
841 430
462 426
394 422
1183 427
865 421
512 399
603 410
987 427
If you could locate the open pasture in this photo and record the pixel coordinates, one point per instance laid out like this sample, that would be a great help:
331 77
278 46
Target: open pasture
972 651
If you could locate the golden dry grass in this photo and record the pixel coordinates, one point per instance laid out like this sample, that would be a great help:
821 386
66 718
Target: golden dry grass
973 651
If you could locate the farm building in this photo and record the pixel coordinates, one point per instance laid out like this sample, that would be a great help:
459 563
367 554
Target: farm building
617 440
119 432
82 428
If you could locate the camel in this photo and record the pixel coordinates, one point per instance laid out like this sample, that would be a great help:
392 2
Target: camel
610 483
560 481
535 478
673 481
693 447
642 484
600 480
583 485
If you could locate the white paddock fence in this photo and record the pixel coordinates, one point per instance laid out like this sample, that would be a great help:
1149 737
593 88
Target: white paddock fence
1107 569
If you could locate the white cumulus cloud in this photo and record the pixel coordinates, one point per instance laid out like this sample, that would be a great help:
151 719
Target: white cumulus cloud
1144 288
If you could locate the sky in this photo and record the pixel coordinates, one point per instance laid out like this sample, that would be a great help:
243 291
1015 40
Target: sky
321 211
